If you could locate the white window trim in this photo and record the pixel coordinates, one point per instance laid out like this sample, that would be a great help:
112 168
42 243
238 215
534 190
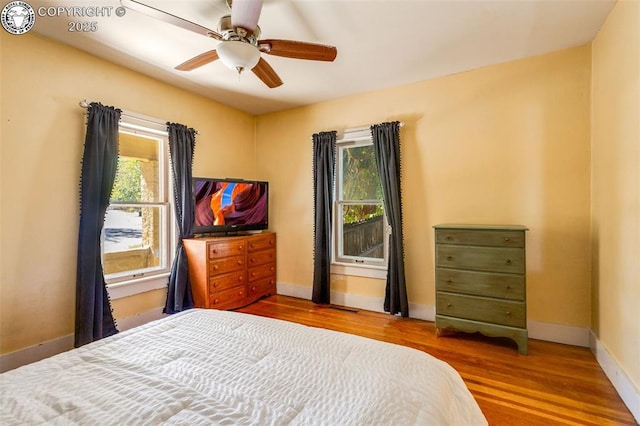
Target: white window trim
119 288
353 136
128 288
367 271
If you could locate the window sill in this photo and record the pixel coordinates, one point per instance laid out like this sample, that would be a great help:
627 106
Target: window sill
367 271
137 286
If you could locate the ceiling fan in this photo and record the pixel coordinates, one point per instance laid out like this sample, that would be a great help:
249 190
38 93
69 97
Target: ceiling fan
240 47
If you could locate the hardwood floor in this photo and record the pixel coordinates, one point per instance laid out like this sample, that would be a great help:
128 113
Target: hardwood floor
554 385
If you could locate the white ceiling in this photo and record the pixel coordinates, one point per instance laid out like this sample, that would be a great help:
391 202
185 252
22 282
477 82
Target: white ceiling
380 43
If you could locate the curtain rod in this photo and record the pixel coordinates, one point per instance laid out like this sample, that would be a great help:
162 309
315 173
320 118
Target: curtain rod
358 129
85 104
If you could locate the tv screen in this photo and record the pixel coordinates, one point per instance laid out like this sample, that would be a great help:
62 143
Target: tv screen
230 205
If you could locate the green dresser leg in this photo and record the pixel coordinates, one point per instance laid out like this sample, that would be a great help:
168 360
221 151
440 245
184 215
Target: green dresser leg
522 339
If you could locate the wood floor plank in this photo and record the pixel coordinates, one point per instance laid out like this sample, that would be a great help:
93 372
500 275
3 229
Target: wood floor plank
554 385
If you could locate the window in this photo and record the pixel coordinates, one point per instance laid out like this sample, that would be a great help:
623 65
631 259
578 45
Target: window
360 224
138 235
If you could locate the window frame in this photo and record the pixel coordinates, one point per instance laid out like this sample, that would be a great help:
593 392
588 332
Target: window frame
126 284
351 265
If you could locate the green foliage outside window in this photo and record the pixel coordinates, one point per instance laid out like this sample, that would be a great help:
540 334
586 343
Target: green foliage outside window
358 213
128 184
360 182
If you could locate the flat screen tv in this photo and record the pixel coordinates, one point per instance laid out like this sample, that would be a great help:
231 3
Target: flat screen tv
229 205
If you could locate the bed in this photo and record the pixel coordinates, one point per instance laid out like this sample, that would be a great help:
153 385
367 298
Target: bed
220 367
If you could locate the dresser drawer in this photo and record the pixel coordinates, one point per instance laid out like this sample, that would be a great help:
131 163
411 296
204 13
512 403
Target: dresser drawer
226 264
226 248
262 242
505 286
262 271
232 297
495 238
496 311
495 259
222 282
261 257
263 287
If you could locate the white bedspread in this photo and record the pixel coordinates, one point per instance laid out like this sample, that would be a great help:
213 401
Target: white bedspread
218 367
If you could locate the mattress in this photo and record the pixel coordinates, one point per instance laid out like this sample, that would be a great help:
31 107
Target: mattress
220 367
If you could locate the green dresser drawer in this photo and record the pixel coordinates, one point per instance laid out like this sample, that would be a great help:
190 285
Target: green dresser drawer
495 311
481 237
494 259
504 286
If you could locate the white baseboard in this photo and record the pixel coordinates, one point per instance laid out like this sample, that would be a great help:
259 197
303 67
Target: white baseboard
559 333
621 381
293 290
49 348
369 303
569 335
35 353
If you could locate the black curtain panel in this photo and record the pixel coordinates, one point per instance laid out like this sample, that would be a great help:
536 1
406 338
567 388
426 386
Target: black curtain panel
324 147
386 143
182 141
94 319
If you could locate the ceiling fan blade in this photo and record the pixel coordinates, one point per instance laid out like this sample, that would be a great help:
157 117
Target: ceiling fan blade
245 14
265 73
198 61
298 50
169 18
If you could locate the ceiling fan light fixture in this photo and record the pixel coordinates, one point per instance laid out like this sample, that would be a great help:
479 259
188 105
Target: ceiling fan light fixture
238 55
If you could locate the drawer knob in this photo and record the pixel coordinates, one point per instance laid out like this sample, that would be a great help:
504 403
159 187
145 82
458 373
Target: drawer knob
449 257
253 288
215 250
508 313
239 262
448 238
449 281
508 287
507 239
449 305
241 293
215 285
215 267
215 301
240 248
508 261
240 278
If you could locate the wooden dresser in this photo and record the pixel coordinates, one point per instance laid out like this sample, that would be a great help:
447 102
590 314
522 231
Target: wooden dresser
230 272
481 281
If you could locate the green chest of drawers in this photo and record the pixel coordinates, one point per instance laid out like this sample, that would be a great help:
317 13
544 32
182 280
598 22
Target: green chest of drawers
481 281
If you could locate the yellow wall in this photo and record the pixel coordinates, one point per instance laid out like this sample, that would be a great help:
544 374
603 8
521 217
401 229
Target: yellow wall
42 140
505 144
616 186
140 303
